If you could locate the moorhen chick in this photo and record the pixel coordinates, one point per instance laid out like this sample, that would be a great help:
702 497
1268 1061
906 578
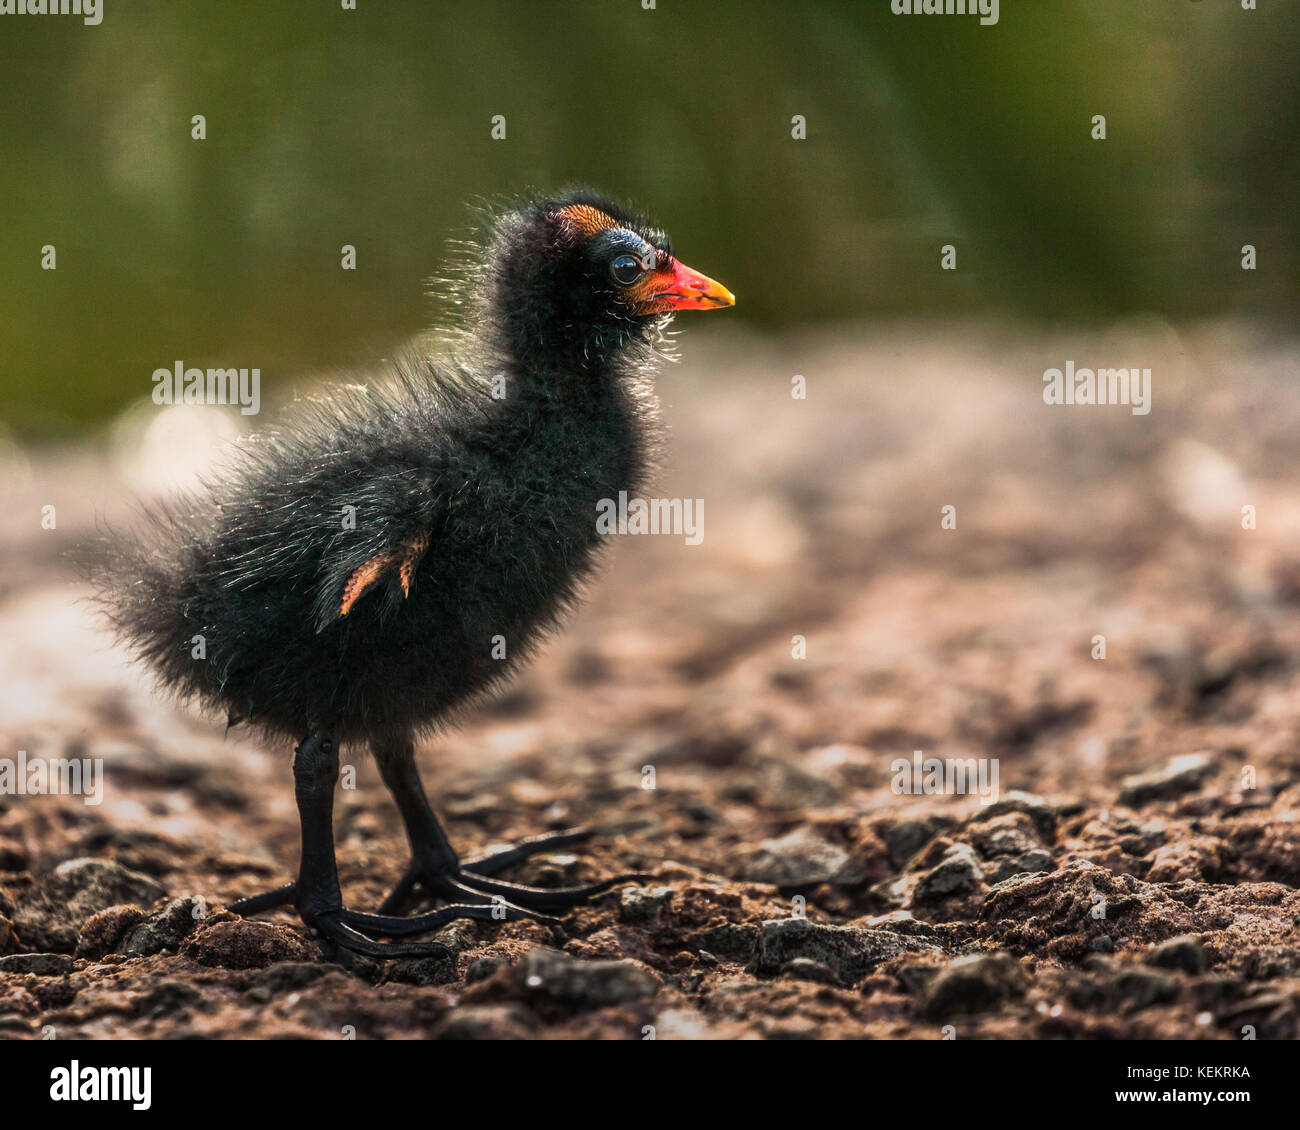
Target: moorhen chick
392 551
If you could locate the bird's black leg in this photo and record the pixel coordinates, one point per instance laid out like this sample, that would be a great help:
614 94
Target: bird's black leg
435 866
316 893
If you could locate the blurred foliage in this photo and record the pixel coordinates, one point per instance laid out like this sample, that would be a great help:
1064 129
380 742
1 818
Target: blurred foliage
372 127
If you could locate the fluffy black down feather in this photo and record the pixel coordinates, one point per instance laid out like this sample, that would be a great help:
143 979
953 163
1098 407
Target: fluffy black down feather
233 593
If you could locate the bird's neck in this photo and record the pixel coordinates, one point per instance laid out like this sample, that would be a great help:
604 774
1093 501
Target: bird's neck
553 365
588 389
588 415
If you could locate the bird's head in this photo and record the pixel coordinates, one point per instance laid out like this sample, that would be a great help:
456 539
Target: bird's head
579 270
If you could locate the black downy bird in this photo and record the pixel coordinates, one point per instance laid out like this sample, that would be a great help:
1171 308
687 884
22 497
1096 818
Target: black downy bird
351 573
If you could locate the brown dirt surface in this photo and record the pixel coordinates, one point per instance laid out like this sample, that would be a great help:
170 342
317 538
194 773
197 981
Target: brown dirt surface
1136 876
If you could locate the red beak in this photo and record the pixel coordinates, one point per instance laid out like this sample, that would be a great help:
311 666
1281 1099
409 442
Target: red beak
688 289
678 287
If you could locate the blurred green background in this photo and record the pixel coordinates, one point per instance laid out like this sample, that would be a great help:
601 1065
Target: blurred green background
372 127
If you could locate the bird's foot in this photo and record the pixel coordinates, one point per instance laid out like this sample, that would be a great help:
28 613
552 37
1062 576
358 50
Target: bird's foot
449 878
468 886
356 931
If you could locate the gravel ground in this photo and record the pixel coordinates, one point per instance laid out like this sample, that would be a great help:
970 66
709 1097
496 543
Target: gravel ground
727 715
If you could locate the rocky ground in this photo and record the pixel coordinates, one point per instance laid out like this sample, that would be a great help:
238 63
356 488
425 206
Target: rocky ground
726 716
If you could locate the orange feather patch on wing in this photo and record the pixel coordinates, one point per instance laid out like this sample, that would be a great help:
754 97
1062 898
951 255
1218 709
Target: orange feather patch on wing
410 559
406 559
362 579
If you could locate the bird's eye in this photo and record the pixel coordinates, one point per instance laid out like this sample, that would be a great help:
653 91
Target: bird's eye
626 269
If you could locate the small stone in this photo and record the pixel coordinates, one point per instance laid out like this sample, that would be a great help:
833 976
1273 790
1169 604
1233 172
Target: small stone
1186 953
13 856
42 964
478 808
548 974
481 968
1140 988
288 976
101 932
485 1022
75 890
1005 866
787 784
458 935
642 904
806 969
701 814
1181 775
914 976
900 922
1012 833
77 877
801 858
904 838
165 929
241 944
958 873
167 998
734 940
972 984
1041 811
849 951
549 870
431 969
893 892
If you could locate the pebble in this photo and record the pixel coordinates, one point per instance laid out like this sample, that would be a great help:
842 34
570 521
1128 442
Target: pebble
957 873
733 940
76 889
642 904
42 964
972 984
1186 953
165 929
485 1022
1041 811
288 976
547 974
242 944
806 969
431 969
801 858
1181 775
849 951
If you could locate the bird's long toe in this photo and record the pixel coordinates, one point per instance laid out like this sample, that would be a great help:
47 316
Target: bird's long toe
472 881
338 928
545 898
493 863
267 900
357 931
397 926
